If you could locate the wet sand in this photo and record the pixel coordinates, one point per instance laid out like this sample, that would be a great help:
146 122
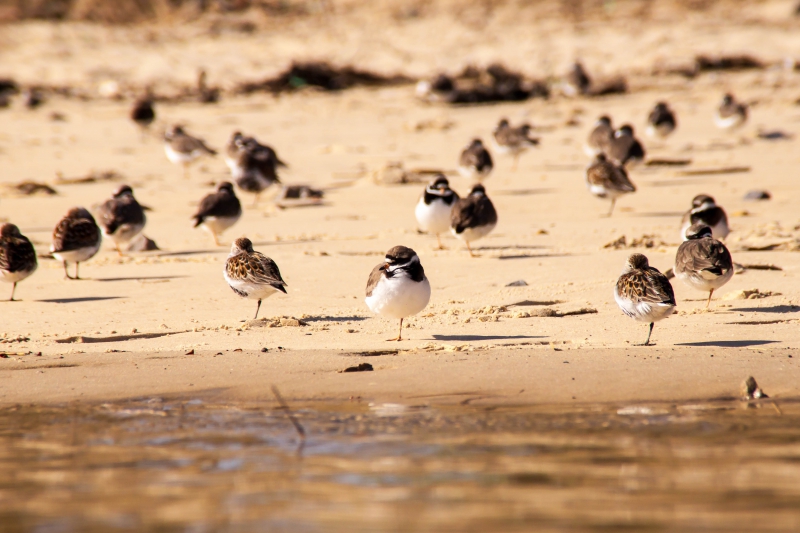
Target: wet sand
139 316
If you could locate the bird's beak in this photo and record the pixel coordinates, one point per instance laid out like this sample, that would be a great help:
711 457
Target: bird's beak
385 266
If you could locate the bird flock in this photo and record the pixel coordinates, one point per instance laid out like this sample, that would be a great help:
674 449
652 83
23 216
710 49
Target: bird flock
398 288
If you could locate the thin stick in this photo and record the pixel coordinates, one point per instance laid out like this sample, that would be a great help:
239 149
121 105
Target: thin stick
300 430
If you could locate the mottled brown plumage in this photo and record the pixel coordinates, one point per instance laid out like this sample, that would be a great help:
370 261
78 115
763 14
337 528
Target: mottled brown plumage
513 140
218 211
600 137
76 238
643 293
251 274
473 217
607 180
475 161
624 148
17 256
182 148
121 217
703 262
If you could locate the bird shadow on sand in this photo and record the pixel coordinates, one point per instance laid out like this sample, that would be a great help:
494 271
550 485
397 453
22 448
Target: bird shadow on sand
728 344
80 299
83 339
773 309
140 278
524 192
327 318
525 303
221 249
530 256
666 214
483 337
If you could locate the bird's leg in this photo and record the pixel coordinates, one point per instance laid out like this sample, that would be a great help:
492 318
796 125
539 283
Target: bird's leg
77 266
255 203
119 251
13 288
647 342
439 240
66 271
516 161
709 297
613 203
257 308
399 335
216 241
186 171
469 249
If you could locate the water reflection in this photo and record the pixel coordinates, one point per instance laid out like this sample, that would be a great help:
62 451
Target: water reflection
192 466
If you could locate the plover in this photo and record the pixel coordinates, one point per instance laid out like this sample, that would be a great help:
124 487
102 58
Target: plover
473 217
398 287
643 293
702 262
76 238
705 210
121 217
251 274
607 180
434 207
624 148
253 165
218 211
577 81
730 113
661 121
17 256
475 162
143 114
600 137
182 149
514 140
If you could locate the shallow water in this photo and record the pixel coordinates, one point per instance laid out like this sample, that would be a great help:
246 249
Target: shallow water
193 466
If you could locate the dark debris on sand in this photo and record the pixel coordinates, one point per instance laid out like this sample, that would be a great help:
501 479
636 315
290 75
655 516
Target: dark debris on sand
321 75
475 86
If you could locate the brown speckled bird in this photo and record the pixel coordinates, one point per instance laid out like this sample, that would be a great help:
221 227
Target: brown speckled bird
643 293
702 262
17 256
251 274
76 238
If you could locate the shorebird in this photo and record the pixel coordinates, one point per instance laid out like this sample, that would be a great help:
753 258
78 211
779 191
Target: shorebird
121 217
475 162
730 114
218 211
398 288
624 148
17 256
704 210
702 262
143 114
251 274
76 238
607 180
434 207
182 149
473 217
513 141
253 165
643 293
600 137
661 121
577 81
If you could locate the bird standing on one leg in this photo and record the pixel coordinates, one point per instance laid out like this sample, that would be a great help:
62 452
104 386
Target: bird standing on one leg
643 293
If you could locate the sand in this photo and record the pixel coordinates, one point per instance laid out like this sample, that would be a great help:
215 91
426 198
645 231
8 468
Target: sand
165 322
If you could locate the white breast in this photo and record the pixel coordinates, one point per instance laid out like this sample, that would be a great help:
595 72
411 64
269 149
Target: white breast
643 311
399 297
178 158
704 280
473 234
79 255
433 218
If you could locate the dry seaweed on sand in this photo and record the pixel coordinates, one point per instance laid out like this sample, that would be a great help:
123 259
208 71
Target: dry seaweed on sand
321 75
475 86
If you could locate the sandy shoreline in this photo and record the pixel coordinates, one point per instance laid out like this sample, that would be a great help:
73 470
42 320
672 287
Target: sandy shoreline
474 342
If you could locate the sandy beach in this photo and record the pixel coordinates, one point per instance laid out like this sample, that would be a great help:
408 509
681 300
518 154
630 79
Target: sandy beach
165 322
